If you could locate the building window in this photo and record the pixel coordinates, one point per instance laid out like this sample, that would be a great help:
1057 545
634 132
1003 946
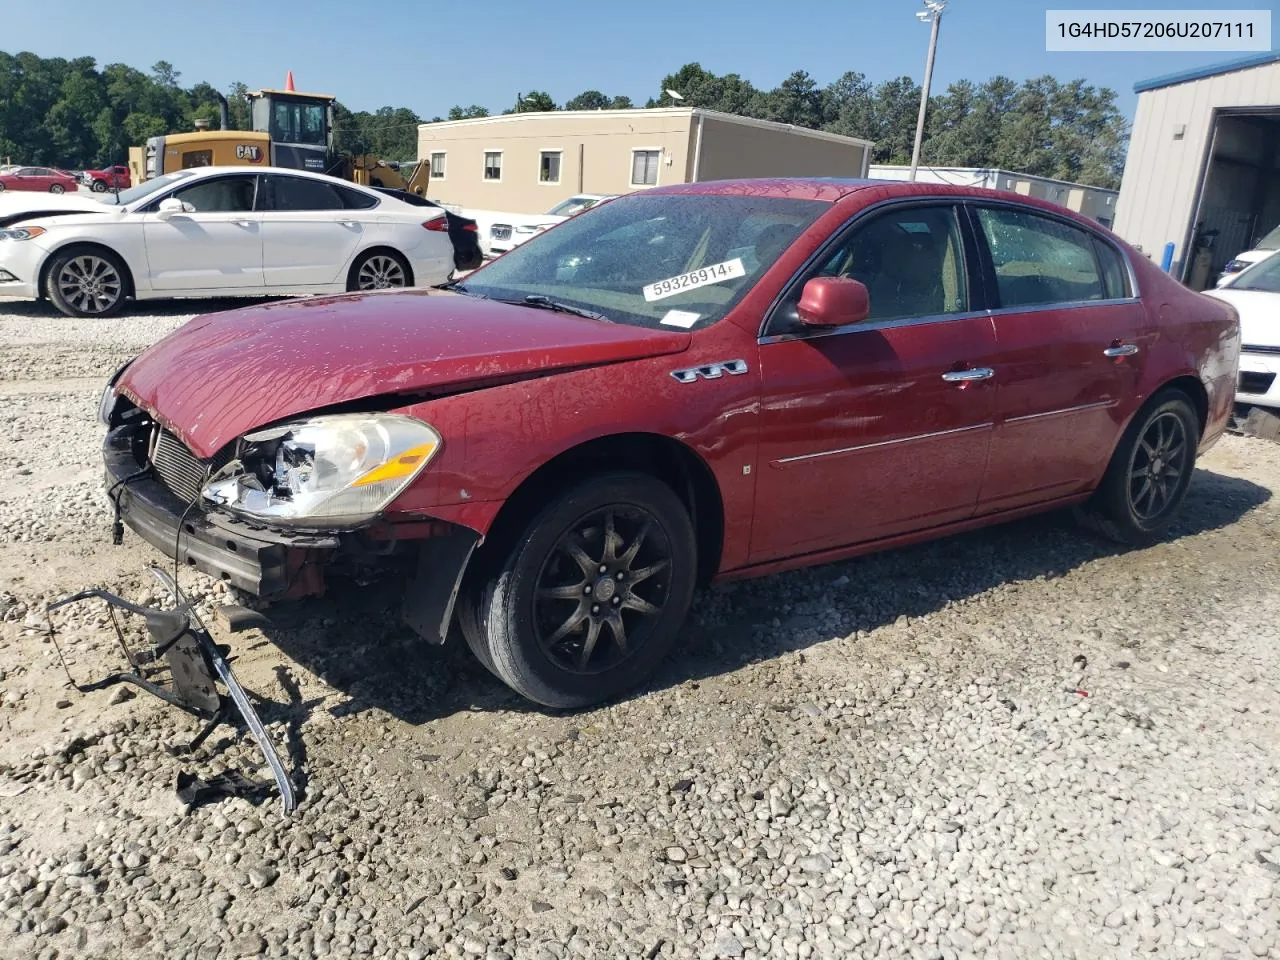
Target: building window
437 166
644 167
549 167
493 165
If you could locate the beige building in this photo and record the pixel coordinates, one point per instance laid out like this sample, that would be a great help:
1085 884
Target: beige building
1204 162
1096 203
529 162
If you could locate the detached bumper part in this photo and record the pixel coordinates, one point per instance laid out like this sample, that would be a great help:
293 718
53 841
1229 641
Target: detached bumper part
195 666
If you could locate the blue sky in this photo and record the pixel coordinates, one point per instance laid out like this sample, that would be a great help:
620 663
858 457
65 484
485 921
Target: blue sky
431 55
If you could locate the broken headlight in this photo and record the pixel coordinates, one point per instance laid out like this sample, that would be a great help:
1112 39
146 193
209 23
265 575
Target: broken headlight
339 470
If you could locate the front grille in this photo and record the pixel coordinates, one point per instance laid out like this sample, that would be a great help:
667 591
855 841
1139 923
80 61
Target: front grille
1255 382
1259 348
500 231
181 470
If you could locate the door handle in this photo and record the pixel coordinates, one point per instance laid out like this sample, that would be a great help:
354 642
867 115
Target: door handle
964 376
243 223
348 223
1121 350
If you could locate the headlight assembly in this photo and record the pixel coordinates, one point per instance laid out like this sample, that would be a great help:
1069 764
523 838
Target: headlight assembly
340 470
108 401
21 233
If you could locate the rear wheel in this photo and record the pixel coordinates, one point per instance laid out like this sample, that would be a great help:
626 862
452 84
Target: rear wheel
380 270
591 597
57 188
99 186
1 188
86 282
1147 479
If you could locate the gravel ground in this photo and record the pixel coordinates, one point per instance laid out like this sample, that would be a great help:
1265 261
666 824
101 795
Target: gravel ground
893 757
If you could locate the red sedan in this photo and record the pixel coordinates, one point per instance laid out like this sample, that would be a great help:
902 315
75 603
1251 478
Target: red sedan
41 179
683 386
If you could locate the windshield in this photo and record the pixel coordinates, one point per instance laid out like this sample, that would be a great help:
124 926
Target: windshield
674 260
149 187
571 206
1263 275
1271 241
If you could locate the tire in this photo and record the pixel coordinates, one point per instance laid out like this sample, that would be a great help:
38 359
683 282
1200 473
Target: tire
1 188
1134 505
520 619
380 270
57 188
87 282
99 186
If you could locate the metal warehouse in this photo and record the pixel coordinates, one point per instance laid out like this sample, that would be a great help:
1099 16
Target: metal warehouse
1201 173
529 162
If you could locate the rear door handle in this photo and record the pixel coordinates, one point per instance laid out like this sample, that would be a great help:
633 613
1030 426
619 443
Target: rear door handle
1121 350
243 223
348 223
964 376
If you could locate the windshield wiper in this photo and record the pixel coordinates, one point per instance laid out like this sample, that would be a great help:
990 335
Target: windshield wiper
546 303
457 286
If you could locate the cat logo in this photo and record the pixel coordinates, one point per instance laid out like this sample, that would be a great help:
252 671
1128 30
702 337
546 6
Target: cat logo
248 151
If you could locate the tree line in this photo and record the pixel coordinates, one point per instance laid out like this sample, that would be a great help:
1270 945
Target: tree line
72 114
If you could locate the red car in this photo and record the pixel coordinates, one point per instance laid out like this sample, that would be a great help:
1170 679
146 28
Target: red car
111 178
686 385
41 179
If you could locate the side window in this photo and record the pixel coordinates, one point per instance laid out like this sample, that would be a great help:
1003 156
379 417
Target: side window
355 200
1039 260
300 193
910 260
1115 278
223 195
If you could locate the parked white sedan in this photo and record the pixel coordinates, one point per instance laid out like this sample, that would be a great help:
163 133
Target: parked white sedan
507 231
1255 293
216 232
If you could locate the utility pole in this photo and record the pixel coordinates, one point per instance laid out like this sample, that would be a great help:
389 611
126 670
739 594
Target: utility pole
932 14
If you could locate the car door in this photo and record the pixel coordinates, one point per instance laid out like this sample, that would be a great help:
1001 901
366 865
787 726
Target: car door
1069 340
216 246
880 427
309 235
28 178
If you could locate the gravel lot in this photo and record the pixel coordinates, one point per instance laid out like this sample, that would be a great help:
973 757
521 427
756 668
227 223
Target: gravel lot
886 757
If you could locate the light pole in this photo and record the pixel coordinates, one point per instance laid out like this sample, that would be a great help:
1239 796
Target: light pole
931 14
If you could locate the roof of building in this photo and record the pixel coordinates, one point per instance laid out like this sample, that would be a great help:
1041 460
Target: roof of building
991 172
1202 73
537 115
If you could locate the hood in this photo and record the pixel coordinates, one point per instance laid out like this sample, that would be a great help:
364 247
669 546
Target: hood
222 375
21 207
1259 314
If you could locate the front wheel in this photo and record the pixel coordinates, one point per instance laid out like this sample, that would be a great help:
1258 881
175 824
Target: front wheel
86 282
379 270
99 186
57 188
1147 479
590 598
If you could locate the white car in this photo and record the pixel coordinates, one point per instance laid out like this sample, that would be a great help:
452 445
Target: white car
509 230
217 232
1260 251
1255 293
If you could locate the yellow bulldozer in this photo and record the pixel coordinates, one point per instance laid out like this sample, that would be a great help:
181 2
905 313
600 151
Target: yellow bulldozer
289 129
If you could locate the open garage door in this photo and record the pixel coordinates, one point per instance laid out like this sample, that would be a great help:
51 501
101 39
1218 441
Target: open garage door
1239 197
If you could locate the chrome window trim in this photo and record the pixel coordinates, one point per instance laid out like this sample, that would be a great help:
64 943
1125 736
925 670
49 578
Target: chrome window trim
818 333
786 461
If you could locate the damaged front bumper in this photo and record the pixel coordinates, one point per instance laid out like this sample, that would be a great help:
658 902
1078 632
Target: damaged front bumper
261 562
273 564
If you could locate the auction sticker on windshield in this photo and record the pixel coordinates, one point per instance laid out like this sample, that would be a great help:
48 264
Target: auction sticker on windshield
715 273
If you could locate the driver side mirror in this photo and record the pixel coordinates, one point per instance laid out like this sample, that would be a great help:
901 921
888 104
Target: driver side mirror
171 205
833 302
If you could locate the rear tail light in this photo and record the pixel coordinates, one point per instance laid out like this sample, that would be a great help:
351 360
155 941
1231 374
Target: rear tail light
439 224
470 228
